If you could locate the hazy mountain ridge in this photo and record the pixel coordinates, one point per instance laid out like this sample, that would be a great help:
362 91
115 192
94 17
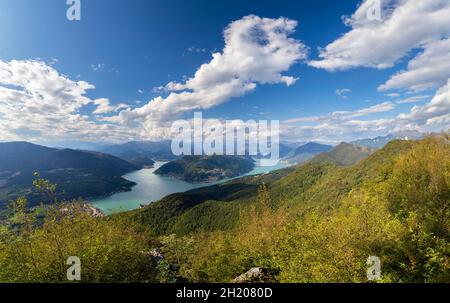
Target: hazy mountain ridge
305 152
379 142
133 150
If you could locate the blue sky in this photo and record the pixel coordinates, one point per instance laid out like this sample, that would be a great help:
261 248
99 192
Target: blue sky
128 48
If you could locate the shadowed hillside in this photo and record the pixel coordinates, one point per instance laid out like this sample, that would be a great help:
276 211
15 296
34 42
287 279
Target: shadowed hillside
77 173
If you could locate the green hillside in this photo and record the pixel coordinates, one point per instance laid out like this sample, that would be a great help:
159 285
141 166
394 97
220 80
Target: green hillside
321 222
315 183
345 154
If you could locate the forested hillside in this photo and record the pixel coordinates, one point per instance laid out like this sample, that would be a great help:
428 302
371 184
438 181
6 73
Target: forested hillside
321 222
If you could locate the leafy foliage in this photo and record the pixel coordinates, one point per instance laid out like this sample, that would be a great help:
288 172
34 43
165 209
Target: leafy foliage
393 206
36 249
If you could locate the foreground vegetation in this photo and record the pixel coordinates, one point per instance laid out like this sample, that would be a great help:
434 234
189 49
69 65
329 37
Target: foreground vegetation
316 223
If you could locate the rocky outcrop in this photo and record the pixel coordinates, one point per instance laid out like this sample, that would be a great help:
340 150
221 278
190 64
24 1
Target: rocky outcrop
256 275
156 255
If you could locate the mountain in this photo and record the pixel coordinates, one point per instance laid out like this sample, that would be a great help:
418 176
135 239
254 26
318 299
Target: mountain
345 154
305 152
285 148
320 182
134 150
317 222
381 141
206 168
77 173
208 208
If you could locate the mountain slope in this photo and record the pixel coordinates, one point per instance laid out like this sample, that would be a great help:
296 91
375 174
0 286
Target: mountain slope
345 154
316 183
202 208
77 173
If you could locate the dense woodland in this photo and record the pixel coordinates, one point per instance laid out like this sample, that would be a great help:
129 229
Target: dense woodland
317 222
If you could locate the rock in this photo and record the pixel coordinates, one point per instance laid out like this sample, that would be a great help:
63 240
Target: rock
93 211
256 274
85 207
156 255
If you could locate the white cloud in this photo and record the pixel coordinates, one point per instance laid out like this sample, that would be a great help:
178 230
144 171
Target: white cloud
434 114
36 101
392 95
413 99
345 115
196 49
97 67
430 69
405 25
257 51
104 106
342 92
347 125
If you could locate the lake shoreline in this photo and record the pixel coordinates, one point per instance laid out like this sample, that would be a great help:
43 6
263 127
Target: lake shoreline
151 187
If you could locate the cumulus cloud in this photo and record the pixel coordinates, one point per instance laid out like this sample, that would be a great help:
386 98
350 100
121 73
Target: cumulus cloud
257 51
405 25
37 101
104 106
434 114
351 125
430 69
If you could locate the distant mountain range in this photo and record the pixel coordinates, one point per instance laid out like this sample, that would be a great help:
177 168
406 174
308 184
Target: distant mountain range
206 168
381 141
78 173
138 150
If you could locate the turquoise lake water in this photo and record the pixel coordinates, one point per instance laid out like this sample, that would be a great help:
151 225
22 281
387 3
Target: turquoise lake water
151 188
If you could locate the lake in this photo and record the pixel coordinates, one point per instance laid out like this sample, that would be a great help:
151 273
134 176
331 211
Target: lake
151 188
